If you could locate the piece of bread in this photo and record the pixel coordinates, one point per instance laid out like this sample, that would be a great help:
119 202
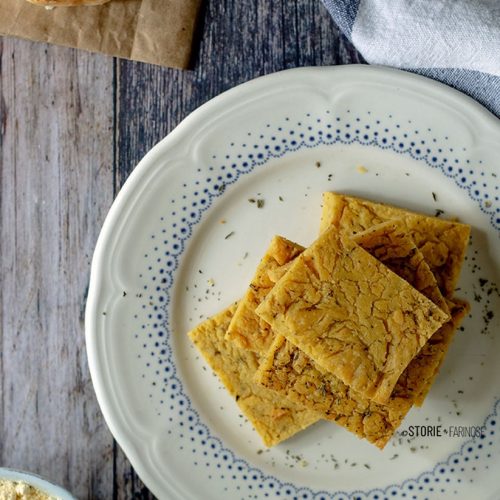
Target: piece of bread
67 3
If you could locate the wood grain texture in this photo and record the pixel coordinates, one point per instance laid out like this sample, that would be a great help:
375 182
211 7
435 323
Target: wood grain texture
56 187
73 126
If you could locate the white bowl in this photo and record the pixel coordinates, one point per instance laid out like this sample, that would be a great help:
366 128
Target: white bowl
37 482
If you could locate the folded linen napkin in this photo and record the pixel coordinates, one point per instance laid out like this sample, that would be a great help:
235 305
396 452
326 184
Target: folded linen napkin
454 41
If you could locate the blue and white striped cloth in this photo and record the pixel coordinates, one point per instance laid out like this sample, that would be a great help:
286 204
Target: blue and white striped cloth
454 41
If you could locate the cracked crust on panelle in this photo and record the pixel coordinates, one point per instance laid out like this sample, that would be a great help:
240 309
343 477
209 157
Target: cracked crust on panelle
443 243
273 416
333 399
291 373
389 243
351 315
423 370
287 370
247 329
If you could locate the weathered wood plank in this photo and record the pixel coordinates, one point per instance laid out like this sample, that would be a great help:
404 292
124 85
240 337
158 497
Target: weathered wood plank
56 187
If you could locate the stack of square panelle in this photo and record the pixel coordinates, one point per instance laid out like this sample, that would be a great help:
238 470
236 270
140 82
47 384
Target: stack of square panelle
352 329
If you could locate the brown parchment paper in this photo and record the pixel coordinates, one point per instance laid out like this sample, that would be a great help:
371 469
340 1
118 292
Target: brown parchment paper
154 31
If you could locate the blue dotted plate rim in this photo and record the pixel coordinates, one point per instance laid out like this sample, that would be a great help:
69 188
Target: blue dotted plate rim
154 156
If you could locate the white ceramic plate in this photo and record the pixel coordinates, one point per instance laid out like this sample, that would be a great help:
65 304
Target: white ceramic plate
37 482
182 241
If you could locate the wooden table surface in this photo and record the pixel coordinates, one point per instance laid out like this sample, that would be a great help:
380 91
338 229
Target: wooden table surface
72 127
